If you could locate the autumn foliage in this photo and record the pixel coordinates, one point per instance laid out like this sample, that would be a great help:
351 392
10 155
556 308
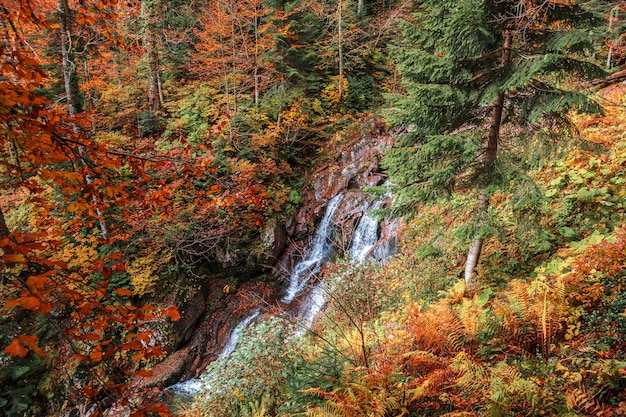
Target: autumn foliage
146 148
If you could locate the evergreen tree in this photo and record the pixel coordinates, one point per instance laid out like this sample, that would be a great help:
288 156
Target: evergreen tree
471 67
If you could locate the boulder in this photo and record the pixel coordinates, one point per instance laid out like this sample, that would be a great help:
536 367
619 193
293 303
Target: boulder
167 372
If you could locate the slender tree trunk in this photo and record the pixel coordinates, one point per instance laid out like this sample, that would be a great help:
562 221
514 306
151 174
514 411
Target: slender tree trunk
612 15
256 58
155 97
487 159
68 72
15 155
68 66
4 229
340 47
360 6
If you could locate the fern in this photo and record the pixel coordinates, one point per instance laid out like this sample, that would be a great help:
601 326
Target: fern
579 401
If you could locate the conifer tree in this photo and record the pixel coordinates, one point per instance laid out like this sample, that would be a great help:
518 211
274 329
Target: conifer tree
470 68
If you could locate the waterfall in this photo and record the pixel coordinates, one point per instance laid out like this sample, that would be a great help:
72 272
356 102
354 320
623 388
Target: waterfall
365 236
364 239
231 344
320 252
365 243
193 386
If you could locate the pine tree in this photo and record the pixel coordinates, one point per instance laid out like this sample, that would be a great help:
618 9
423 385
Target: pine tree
470 68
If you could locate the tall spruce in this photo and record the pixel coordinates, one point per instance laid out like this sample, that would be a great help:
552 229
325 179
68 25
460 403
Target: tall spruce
470 69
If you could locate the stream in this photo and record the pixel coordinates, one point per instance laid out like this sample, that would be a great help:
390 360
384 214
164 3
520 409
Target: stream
311 295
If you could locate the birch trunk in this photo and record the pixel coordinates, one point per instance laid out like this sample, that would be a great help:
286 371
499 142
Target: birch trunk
155 96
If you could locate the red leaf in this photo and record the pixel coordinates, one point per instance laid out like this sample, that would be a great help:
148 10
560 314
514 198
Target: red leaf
90 391
159 408
85 307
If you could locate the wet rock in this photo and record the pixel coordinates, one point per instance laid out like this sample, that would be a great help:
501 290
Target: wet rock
273 239
387 245
167 372
190 312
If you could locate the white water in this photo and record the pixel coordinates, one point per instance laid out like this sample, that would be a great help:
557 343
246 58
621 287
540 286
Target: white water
363 245
193 386
320 252
364 237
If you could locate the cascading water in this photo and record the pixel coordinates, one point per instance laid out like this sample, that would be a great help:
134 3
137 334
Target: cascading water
192 386
320 252
231 344
364 239
365 236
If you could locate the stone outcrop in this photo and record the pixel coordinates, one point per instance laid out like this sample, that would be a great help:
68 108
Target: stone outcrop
352 170
190 312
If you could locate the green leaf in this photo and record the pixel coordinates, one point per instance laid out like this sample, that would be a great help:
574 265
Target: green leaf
567 232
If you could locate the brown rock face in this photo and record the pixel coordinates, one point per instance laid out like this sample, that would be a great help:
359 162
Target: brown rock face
353 169
190 313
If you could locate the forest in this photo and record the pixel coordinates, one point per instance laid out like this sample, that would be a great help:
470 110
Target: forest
183 185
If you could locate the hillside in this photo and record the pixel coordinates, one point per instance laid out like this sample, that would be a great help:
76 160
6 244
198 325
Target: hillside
166 166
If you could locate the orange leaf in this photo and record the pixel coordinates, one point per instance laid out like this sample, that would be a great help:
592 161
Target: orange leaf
31 342
172 313
143 372
96 355
37 281
31 303
15 348
14 258
89 336
123 292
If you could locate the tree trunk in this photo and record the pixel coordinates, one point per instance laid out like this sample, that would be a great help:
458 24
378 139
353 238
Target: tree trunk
4 229
340 47
68 66
155 100
612 15
68 72
256 58
360 7
487 159
15 155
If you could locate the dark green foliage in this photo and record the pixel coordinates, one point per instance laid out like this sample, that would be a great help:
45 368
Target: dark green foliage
148 122
455 66
324 371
